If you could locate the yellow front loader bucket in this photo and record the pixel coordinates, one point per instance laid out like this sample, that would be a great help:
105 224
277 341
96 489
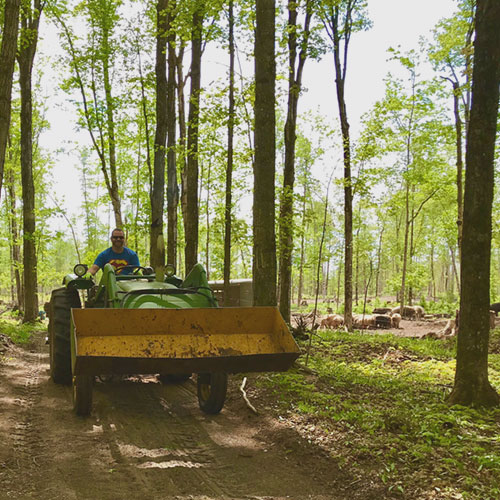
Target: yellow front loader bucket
198 340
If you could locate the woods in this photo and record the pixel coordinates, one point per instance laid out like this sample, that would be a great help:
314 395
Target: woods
221 163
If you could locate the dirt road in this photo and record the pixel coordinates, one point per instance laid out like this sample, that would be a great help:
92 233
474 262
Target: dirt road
148 441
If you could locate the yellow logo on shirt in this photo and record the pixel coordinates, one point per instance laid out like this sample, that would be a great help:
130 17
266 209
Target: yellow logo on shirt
118 264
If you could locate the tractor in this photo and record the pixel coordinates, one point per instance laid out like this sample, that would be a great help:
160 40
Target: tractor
137 322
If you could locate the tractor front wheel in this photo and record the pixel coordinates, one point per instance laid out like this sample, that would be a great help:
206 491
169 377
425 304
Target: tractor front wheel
82 394
212 388
61 302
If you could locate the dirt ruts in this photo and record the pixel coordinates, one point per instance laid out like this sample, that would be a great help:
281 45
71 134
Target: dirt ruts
146 440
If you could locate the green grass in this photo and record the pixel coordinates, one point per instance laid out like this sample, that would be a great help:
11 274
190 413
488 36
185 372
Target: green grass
384 398
19 333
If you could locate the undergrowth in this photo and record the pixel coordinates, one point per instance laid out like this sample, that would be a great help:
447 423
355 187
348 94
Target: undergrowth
380 403
18 332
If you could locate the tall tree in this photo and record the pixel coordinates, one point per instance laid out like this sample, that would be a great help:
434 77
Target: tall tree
172 185
472 386
452 55
157 246
295 70
341 18
92 69
7 60
230 155
264 238
30 21
192 167
15 248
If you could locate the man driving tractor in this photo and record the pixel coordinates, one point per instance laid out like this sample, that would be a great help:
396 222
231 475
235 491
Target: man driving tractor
118 255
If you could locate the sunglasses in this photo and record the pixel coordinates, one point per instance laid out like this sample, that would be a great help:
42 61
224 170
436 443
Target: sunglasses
117 237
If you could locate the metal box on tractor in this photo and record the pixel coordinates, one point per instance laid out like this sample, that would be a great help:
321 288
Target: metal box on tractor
137 323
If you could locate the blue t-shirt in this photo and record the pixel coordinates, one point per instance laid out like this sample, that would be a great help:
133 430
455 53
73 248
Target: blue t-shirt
118 260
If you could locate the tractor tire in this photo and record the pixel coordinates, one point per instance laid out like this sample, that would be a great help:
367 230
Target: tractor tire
61 302
82 394
212 388
174 378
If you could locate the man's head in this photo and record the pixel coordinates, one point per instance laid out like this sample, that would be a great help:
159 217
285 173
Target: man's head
117 239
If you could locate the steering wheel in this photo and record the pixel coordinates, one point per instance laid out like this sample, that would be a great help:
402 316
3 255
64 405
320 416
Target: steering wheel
136 269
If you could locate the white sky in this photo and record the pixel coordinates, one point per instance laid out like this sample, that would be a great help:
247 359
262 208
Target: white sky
395 22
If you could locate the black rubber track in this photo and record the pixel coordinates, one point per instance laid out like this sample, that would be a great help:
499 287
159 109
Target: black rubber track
61 302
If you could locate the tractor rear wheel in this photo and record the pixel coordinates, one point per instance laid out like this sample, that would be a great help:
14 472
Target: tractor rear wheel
61 302
82 394
212 388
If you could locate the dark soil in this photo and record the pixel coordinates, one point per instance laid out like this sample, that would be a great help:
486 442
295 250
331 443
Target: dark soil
150 441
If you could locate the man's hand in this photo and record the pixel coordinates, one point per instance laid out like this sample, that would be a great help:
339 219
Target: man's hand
88 276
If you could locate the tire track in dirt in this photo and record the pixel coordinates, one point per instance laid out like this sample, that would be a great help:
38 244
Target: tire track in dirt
144 439
25 441
153 430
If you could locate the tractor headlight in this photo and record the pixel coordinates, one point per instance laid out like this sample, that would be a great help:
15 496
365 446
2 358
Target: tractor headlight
169 270
80 269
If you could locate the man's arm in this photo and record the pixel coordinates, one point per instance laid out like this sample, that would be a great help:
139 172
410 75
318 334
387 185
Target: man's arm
99 262
93 269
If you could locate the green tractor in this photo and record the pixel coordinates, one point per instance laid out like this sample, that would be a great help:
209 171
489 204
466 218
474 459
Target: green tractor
139 323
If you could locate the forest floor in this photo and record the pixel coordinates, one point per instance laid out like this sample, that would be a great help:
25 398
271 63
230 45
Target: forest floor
416 328
147 440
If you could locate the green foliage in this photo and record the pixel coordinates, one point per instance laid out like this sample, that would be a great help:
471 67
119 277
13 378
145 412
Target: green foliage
405 150
20 333
407 141
385 396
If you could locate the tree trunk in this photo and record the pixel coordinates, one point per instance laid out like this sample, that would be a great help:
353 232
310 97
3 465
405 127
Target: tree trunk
338 286
191 214
286 220
110 124
356 269
472 386
157 244
327 277
207 218
172 184
7 61
454 268
264 239
181 112
460 203
410 251
338 33
402 292
432 291
26 57
302 248
379 262
229 167
14 243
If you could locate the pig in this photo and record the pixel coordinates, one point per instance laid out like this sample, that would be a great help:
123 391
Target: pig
395 320
419 311
408 312
495 307
363 321
333 321
382 320
382 310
